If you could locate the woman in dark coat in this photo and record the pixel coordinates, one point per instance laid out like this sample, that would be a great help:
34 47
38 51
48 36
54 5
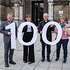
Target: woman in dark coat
27 36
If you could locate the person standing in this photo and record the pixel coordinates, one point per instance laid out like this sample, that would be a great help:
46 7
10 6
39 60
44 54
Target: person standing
7 40
64 40
27 36
49 37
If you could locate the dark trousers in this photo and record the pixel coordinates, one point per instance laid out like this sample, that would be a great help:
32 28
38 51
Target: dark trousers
30 56
48 50
64 44
8 50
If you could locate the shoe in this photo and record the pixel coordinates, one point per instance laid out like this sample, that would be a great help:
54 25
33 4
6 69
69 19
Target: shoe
42 60
6 65
12 62
48 60
25 62
56 59
64 61
29 62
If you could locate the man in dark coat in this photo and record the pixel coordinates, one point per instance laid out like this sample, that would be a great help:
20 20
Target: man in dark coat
48 35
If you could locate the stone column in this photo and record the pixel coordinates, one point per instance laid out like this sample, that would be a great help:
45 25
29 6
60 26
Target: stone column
21 12
69 15
50 9
16 13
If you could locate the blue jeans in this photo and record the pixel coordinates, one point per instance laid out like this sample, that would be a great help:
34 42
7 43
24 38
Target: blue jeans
48 50
64 44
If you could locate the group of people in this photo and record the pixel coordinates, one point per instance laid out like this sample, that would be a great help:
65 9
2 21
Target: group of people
28 51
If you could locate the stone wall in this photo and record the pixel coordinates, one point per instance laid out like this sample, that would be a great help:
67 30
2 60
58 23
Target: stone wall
28 10
27 7
58 8
4 10
10 10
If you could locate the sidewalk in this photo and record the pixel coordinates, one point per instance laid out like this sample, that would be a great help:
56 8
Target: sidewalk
38 65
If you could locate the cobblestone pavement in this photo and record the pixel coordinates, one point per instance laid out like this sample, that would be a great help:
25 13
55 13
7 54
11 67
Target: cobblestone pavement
38 65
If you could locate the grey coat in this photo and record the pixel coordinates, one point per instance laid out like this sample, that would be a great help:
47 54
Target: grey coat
6 37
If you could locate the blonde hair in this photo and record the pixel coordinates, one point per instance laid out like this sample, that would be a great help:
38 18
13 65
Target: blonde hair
62 18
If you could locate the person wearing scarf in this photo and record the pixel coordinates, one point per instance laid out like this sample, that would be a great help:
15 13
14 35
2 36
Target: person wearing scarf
64 40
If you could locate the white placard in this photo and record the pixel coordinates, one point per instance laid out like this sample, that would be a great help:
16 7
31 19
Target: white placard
58 36
60 12
13 36
13 40
20 33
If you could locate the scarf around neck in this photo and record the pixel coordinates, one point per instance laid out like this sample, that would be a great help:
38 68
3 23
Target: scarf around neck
62 25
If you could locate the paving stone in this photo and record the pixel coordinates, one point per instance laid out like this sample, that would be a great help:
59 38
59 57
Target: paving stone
38 65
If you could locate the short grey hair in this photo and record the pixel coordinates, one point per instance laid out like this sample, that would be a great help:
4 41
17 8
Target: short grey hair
9 14
45 14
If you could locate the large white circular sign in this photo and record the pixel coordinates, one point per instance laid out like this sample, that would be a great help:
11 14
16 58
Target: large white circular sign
20 33
58 36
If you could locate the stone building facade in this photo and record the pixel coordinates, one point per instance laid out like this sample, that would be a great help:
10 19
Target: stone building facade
54 8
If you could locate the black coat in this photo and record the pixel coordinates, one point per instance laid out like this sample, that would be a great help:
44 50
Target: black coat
48 33
27 36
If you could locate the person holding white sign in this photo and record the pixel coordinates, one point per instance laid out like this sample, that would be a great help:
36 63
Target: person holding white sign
7 39
27 36
64 40
48 34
